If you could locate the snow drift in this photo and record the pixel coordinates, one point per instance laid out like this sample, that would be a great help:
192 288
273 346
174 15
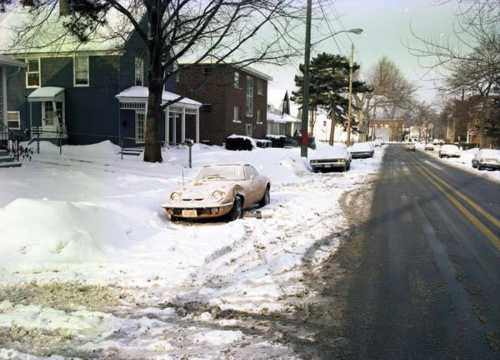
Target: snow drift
57 231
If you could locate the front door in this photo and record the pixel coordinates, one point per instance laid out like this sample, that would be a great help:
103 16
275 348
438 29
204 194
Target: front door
52 119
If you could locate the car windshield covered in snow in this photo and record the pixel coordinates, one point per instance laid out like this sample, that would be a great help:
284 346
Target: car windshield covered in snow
221 173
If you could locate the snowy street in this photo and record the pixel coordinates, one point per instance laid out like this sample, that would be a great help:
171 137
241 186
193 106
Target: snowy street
91 266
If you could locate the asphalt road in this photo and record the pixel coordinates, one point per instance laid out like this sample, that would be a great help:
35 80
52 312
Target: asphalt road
428 284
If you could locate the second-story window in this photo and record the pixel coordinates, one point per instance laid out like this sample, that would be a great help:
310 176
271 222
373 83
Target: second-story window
236 80
260 87
32 73
259 117
139 71
249 97
81 70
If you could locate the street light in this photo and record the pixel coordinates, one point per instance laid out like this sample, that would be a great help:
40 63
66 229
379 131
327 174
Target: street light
355 31
307 59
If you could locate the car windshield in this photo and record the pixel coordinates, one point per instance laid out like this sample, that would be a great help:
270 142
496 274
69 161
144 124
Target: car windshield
220 173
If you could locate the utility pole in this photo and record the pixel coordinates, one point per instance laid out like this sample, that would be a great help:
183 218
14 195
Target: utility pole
305 101
349 111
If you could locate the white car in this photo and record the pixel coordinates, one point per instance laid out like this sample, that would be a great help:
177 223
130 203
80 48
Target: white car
449 150
330 157
486 159
362 150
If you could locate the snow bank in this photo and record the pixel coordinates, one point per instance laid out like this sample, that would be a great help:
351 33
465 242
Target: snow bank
35 231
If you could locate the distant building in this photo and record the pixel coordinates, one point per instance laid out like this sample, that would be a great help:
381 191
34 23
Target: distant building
234 99
281 124
387 130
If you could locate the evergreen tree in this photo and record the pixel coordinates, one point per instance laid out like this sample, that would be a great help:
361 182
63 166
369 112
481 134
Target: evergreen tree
329 86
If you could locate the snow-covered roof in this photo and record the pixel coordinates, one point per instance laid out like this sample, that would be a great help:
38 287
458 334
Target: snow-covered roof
7 60
278 118
141 93
50 36
48 93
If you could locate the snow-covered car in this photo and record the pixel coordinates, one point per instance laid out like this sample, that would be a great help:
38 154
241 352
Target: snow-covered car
378 142
362 150
410 147
486 159
330 157
218 191
429 147
449 150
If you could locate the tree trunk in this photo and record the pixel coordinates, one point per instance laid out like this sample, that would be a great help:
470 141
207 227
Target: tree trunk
152 144
332 130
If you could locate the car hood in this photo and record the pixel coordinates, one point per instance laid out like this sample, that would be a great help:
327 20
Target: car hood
203 189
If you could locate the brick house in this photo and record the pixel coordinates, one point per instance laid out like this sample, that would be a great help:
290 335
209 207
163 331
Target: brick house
234 99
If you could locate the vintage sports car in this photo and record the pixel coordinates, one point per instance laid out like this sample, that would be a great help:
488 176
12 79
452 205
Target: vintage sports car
218 191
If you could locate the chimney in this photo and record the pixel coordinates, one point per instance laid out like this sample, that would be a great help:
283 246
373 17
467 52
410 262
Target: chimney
64 8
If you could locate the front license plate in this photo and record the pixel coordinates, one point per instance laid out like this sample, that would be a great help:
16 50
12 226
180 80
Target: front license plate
189 213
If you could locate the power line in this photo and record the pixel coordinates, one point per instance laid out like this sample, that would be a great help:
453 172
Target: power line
330 28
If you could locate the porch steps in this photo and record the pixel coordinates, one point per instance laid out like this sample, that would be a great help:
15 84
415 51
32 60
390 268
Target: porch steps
8 161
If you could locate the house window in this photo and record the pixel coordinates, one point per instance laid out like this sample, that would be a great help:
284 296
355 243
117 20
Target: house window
236 80
260 87
139 71
259 117
249 97
81 70
140 122
249 130
32 73
14 120
236 114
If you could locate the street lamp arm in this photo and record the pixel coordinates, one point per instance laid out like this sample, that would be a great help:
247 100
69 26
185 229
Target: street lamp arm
351 31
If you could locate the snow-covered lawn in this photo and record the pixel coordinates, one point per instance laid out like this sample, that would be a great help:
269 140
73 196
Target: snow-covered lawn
464 162
89 262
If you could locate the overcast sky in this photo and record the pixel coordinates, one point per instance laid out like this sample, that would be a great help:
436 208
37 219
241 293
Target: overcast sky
386 25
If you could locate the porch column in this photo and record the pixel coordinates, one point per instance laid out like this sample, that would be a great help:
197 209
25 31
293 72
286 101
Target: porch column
183 126
4 94
198 125
54 116
174 129
167 126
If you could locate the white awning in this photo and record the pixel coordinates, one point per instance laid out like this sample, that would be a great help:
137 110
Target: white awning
49 93
137 94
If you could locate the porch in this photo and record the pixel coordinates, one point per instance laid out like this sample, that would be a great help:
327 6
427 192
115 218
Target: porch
180 120
47 112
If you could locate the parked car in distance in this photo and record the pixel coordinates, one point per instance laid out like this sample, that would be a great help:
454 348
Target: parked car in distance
362 150
218 191
330 157
449 150
378 142
429 147
486 159
410 147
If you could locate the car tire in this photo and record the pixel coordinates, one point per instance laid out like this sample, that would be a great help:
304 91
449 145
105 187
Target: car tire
266 199
237 209
348 167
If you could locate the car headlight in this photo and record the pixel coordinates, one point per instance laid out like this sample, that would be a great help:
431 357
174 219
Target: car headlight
175 196
218 195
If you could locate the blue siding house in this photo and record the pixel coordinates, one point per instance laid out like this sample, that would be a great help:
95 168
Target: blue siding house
85 92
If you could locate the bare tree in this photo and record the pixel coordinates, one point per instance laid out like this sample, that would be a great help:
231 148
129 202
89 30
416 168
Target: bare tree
238 32
470 60
392 93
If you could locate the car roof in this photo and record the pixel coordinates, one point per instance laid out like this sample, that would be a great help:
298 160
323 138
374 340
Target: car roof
220 165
